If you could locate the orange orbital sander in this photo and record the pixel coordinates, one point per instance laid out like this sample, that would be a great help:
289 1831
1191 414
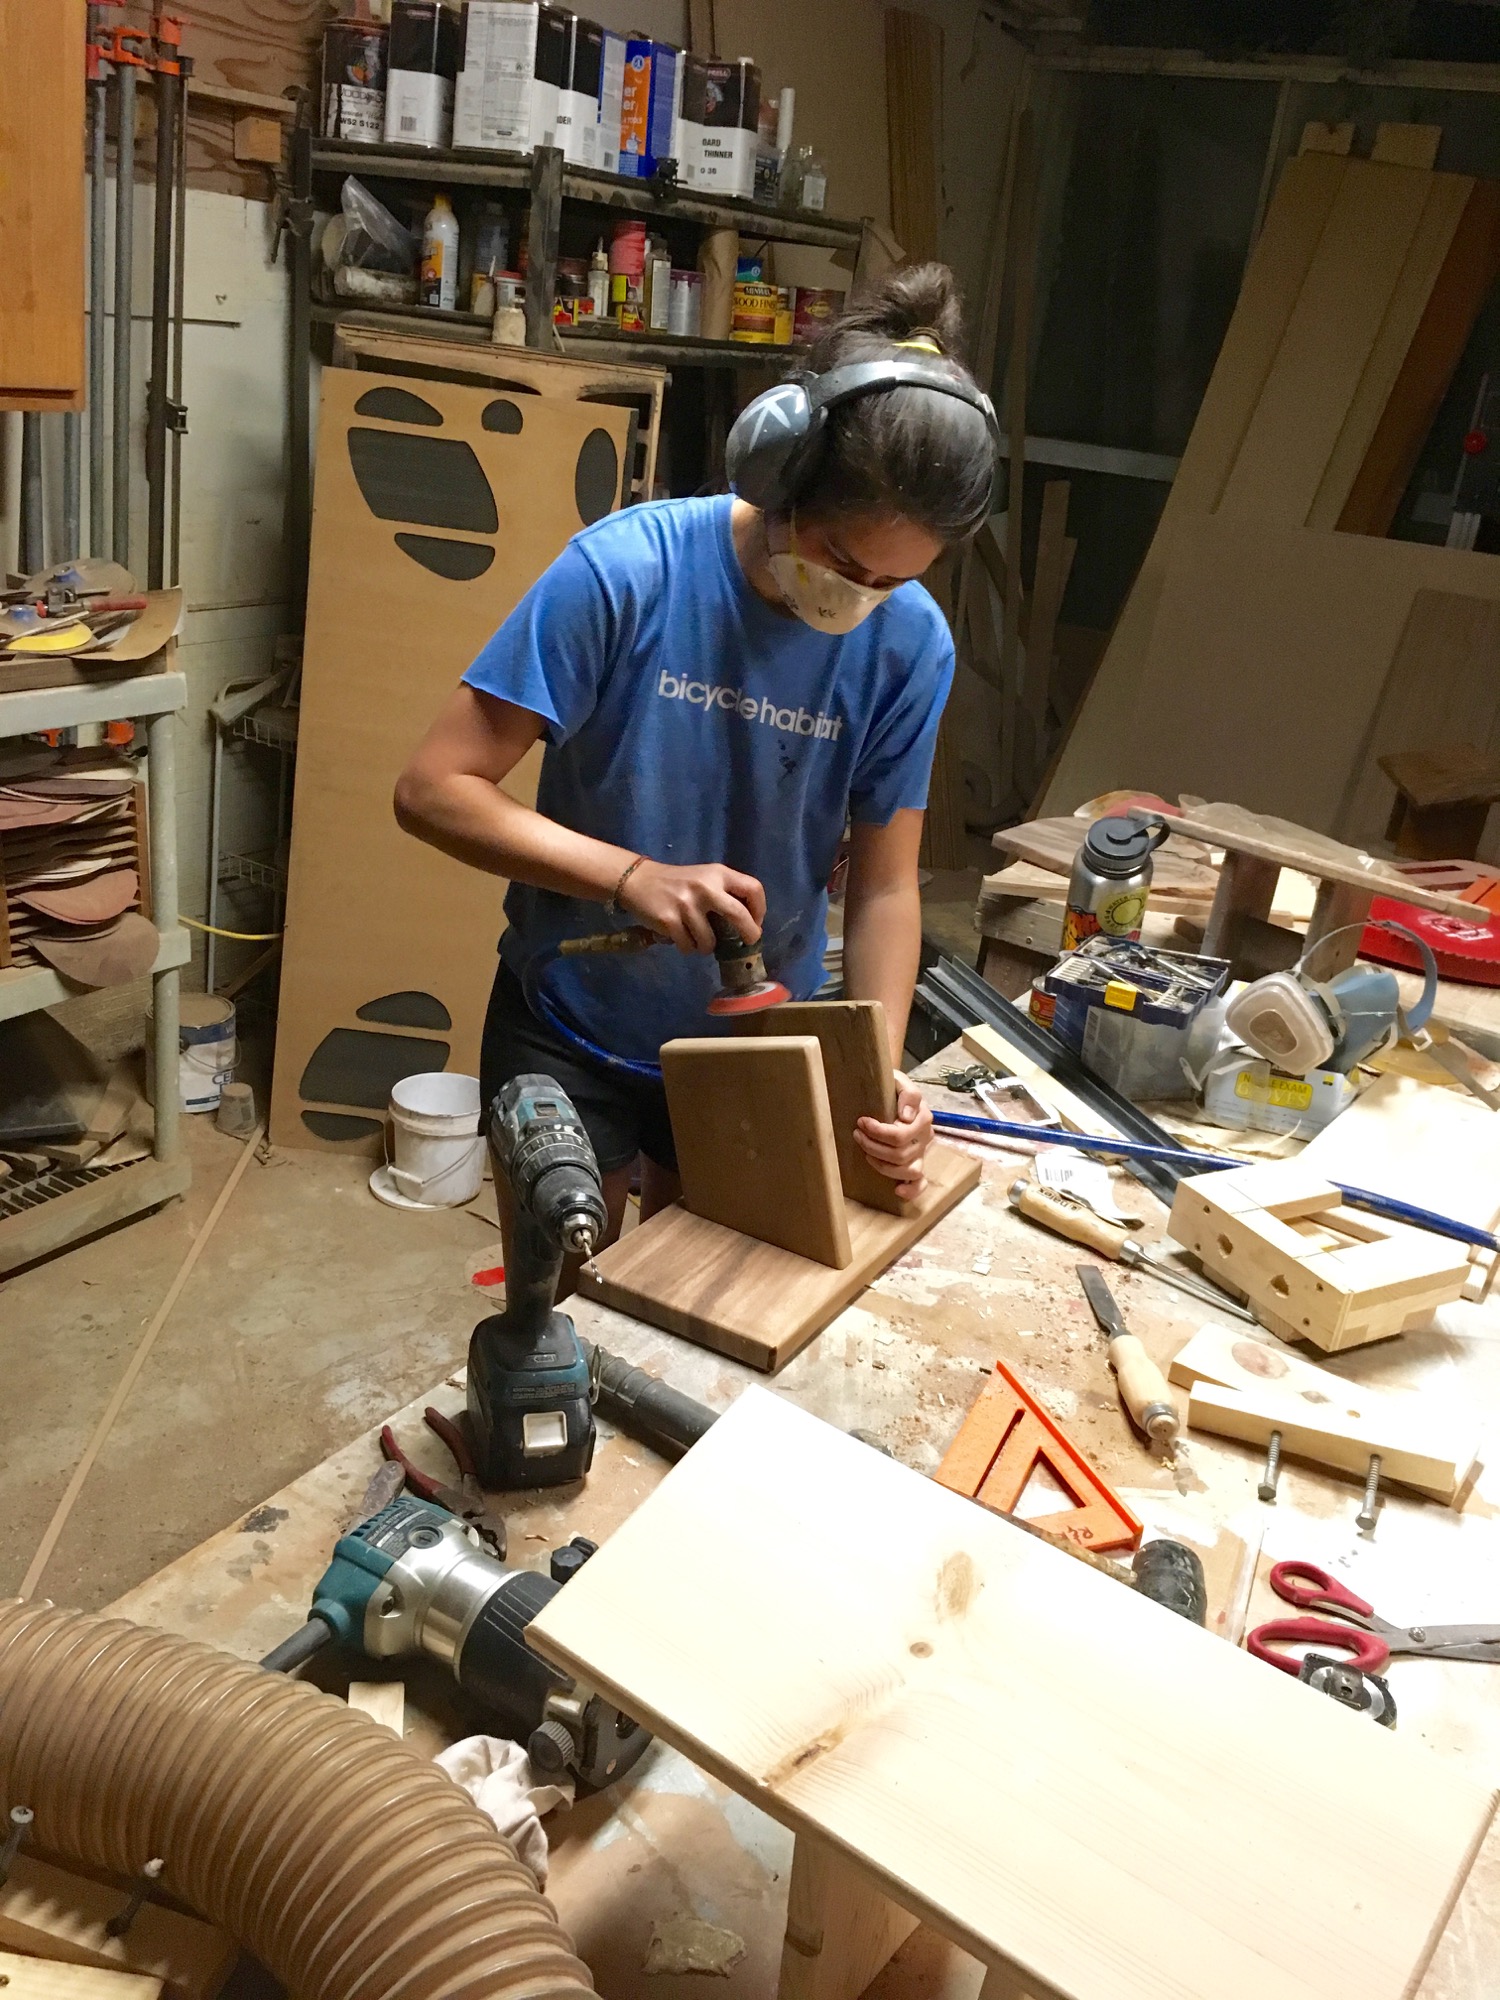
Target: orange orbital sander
744 987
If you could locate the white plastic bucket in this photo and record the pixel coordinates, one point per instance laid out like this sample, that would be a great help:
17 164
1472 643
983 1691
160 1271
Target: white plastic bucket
438 1149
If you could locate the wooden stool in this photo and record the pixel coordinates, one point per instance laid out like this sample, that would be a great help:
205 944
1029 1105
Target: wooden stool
1443 798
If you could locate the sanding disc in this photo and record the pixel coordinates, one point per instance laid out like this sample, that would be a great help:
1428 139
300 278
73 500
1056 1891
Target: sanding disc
1465 951
771 994
126 950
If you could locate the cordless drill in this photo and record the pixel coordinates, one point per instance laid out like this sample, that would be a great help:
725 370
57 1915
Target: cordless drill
530 1418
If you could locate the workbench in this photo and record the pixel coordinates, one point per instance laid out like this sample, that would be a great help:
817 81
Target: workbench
903 1364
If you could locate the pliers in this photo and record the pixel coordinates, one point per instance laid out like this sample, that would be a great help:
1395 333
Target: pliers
468 1500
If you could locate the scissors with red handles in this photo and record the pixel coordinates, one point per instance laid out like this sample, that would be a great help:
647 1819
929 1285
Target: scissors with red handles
1373 1642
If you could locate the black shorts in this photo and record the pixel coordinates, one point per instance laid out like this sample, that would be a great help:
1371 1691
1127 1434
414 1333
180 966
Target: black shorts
623 1115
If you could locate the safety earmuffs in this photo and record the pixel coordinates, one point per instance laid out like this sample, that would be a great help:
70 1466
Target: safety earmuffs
773 446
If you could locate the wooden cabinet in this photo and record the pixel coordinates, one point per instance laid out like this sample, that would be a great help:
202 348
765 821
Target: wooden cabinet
42 205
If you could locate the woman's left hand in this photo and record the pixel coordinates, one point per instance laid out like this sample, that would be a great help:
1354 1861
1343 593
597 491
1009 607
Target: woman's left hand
896 1149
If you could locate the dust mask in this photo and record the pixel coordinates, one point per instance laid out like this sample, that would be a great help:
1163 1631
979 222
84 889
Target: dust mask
819 596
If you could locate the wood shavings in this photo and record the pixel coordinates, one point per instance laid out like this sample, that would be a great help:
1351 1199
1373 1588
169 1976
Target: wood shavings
687 1944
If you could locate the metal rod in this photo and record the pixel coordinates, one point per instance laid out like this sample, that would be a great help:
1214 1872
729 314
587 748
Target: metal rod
161 771
297 521
124 260
1267 1487
72 468
20 1825
1206 1163
179 320
167 87
1365 1518
146 1881
31 548
98 332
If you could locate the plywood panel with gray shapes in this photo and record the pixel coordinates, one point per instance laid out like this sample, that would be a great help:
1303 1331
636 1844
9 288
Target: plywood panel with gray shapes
437 506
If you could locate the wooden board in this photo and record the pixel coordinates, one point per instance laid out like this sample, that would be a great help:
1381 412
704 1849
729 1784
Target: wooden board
1269 650
1371 230
370 911
861 1083
1177 865
752 1300
1407 145
1266 1373
1403 1138
1031 1759
1328 1438
573 378
41 212
1290 846
50 1912
1441 688
1292 427
46 1979
754 1139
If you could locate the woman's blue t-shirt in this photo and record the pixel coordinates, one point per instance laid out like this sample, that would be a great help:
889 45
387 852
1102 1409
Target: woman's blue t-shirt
687 720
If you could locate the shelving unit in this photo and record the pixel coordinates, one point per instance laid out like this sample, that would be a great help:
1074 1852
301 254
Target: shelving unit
551 183
69 1203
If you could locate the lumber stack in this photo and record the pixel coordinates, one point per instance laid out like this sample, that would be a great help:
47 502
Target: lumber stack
1360 294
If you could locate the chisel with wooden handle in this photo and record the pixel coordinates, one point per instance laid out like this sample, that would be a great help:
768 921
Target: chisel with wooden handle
1143 1387
1075 1220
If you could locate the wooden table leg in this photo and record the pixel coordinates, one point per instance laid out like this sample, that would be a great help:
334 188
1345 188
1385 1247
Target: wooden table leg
1337 904
1246 889
840 1929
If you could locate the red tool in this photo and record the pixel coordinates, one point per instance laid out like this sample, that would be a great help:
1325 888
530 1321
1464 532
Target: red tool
469 1500
1465 951
1005 1436
1375 1639
744 986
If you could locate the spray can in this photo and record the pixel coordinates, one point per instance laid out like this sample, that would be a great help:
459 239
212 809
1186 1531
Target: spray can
1111 880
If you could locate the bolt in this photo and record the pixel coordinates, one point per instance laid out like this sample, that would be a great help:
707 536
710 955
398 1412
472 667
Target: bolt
121 1921
20 1825
1365 1518
1268 1479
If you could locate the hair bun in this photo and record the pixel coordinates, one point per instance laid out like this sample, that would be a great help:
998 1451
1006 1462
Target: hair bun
913 301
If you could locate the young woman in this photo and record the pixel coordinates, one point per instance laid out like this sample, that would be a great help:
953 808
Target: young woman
722 688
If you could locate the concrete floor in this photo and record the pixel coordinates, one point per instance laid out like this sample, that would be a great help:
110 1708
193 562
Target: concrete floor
313 1311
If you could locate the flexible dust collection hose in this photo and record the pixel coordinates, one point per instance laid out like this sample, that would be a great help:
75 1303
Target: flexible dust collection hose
349 1866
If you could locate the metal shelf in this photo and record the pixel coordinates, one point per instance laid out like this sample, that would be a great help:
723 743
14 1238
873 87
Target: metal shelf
662 350
272 728
514 170
128 699
255 873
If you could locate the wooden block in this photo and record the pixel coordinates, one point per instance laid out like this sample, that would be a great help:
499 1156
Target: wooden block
1407 145
1329 1438
46 1979
1320 138
840 1930
752 1300
1313 1269
52 1913
42 228
754 1137
383 1701
861 1082
1031 1759
257 141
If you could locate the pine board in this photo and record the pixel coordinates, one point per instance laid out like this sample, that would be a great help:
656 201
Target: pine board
754 1139
1268 653
1330 1438
41 214
861 1083
1406 1139
751 1300
1442 688
48 1979
1372 229
1098 1798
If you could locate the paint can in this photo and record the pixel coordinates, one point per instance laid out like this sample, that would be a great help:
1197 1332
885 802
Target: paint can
207 1051
755 309
354 81
437 1149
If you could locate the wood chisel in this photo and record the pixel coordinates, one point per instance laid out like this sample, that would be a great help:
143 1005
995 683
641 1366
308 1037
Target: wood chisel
1143 1387
1075 1220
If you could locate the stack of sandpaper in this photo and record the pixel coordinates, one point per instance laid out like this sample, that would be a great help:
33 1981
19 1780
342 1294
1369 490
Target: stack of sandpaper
72 848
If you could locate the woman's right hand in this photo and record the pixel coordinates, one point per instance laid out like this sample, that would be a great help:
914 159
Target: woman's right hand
677 901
